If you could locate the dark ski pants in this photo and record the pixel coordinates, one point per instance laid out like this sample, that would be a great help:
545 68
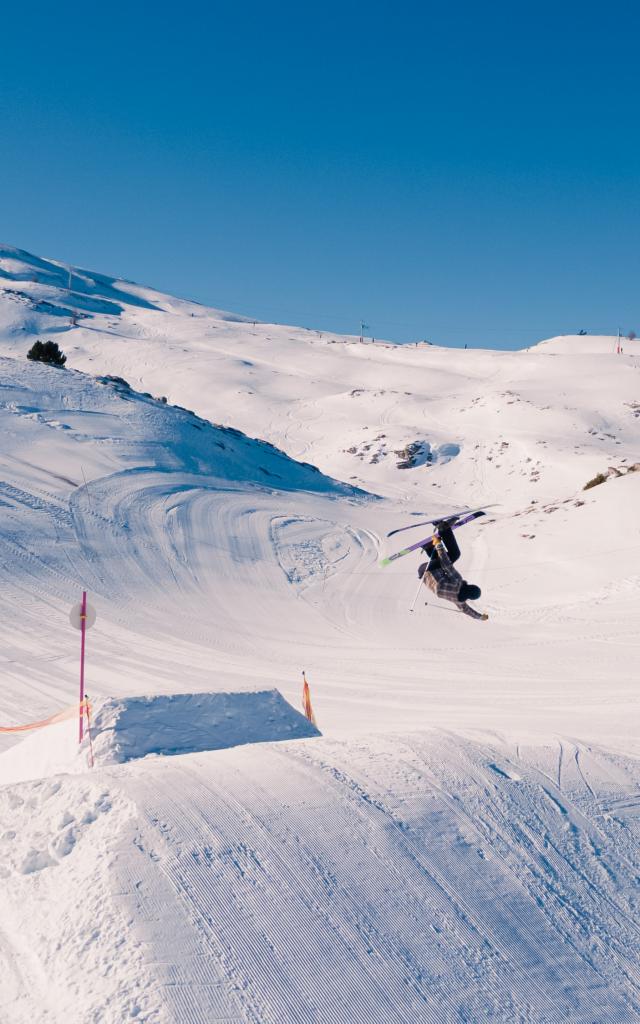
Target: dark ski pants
450 544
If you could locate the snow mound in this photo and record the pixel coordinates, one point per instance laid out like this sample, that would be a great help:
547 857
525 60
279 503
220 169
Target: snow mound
37 401
585 344
185 723
130 728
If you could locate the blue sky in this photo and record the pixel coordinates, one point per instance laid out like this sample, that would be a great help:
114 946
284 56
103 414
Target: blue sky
466 174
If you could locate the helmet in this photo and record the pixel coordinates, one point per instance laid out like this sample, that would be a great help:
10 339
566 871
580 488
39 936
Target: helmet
469 592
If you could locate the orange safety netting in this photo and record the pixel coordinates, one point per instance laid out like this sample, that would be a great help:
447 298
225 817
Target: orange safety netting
60 716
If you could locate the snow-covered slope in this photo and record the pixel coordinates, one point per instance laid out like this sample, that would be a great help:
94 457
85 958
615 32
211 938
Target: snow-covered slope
478 425
461 844
586 344
427 879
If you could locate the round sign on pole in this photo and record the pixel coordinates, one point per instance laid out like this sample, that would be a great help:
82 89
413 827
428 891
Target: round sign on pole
75 616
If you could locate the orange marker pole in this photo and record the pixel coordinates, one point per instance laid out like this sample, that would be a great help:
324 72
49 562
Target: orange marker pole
306 700
88 713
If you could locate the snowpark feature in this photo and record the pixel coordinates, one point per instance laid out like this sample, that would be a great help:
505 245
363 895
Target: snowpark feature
461 844
135 727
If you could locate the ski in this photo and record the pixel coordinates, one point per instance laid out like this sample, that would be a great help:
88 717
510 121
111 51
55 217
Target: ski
468 518
428 522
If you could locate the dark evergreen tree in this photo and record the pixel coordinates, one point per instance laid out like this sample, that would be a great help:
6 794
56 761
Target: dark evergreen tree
47 352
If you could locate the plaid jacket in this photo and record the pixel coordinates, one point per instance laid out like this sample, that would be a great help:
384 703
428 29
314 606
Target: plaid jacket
445 581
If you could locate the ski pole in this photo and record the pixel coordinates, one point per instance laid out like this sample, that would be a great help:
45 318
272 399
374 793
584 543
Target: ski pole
440 608
417 593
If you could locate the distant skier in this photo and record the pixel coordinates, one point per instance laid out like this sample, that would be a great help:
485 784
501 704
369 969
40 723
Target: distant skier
441 577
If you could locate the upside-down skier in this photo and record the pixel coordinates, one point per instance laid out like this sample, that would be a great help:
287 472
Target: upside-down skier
441 577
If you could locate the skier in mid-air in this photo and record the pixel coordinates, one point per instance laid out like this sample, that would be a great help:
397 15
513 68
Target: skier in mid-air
441 577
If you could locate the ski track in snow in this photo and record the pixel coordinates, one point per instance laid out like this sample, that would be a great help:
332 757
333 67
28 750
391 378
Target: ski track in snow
453 888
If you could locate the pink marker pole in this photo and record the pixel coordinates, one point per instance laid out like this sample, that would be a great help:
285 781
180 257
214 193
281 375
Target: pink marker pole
83 633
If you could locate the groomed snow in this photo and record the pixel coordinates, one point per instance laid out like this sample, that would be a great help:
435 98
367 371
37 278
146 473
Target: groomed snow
461 843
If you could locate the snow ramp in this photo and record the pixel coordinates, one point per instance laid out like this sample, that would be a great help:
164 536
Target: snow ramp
185 723
130 728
